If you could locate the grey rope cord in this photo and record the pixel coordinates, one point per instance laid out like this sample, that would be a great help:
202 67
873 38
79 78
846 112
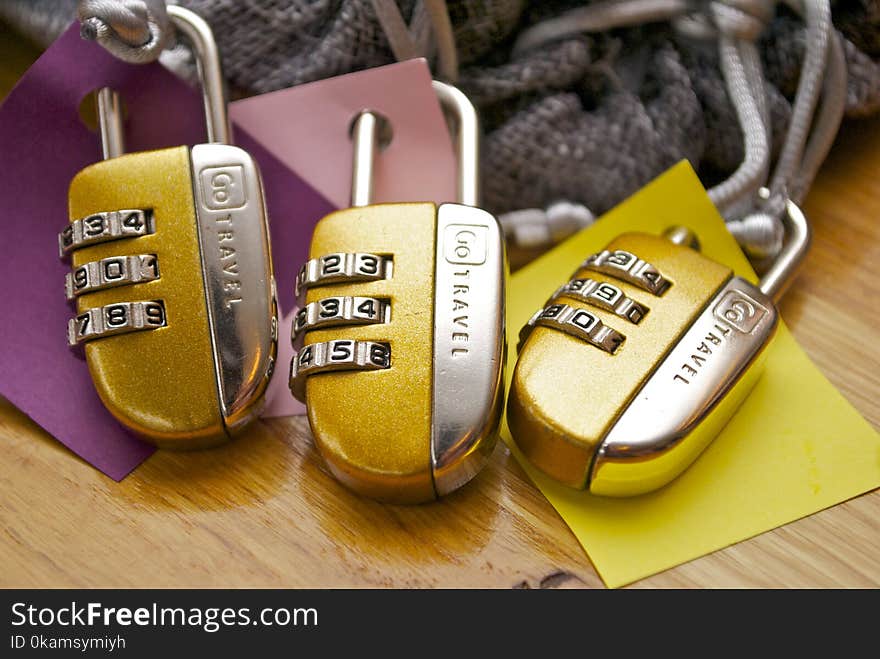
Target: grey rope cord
421 30
135 31
761 231
754 73
537 227
827 81
739 23
132 28
833 103
447 52
599 17
752 171
396 30
739 27
405 46
817 14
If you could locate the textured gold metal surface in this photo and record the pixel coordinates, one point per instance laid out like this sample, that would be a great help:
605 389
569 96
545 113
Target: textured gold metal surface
160 383
374 428
566 394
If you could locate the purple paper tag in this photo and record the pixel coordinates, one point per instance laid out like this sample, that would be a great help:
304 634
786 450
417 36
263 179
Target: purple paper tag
43 144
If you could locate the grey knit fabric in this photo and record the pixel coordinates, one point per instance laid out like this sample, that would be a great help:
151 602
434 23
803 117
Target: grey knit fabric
587 119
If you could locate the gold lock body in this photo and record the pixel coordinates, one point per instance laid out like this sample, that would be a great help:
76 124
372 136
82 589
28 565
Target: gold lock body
377 430
374 429
191 383
571 405
400 335
172 273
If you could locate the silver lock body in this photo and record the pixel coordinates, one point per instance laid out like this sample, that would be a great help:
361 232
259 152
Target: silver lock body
469 299
236 258
691 395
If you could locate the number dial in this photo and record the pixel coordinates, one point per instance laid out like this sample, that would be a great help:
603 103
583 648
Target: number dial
604 296
341 311
338 355
579 323
111 272
104 227
113 319
342 267
630 268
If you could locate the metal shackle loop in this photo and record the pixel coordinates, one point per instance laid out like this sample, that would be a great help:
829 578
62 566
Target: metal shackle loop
786 264
366 135
467 141
201 39
110 123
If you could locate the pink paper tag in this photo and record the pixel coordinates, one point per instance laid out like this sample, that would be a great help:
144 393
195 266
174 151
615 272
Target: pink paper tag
307 128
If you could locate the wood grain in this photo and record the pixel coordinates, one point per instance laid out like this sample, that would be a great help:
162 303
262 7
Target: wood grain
264 511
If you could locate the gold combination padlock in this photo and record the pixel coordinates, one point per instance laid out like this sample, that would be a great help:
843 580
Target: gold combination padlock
400 335
636 363
172 274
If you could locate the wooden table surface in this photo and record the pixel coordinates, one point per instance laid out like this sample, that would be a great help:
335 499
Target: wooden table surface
263 511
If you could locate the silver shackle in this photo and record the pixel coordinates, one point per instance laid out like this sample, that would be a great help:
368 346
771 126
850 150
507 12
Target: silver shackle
781 272
201 39
367 135
798 237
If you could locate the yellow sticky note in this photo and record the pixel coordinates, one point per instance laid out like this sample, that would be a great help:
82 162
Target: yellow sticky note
795 446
